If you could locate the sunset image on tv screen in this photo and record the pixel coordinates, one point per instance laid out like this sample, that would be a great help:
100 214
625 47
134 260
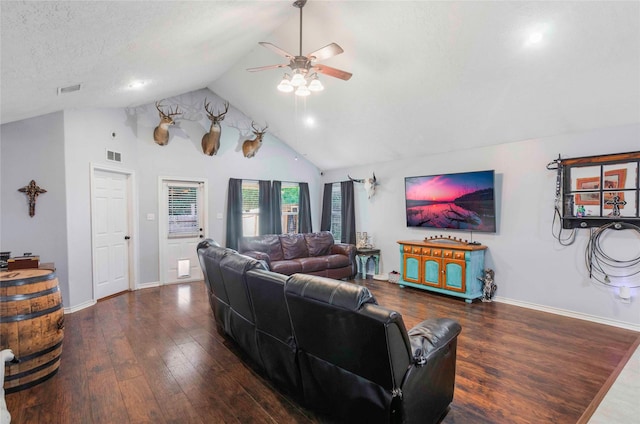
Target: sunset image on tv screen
463 201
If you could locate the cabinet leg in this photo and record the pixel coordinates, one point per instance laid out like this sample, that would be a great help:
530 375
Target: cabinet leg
469 300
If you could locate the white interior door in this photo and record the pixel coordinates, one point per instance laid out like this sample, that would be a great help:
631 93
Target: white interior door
182 227
110 226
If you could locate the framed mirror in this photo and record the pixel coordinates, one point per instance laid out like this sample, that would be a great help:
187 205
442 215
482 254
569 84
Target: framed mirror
597 190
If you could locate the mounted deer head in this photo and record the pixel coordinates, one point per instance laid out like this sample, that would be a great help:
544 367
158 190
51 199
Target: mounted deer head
369 185
161 132
250 147
211 140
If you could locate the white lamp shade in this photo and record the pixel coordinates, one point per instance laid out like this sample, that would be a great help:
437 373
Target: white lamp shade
303 91
297 80
316 85
285 86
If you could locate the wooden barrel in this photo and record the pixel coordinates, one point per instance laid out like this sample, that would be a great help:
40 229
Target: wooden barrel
31 324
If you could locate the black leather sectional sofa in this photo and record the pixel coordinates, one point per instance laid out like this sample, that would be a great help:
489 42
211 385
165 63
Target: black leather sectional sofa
329 344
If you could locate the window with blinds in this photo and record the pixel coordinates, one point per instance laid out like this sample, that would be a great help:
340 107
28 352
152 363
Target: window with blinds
183 211
250 208
289 206
336 212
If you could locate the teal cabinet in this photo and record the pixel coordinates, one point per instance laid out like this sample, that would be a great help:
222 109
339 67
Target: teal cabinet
452 268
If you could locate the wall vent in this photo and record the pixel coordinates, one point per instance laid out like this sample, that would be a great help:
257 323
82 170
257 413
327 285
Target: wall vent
114 156
69 89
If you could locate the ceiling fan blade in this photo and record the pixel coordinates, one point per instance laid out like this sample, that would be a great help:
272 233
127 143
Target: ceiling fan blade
276 49
264 68
332 72
325 52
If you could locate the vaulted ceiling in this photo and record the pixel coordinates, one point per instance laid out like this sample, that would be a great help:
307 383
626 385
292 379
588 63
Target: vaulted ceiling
428 76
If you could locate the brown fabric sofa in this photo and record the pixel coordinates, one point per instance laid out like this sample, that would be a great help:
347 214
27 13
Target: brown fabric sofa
310 253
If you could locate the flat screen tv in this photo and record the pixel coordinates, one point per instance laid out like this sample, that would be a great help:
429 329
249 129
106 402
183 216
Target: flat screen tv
461 201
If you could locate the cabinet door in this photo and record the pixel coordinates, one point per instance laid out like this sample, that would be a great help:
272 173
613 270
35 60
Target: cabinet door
454 275
431 270
411 268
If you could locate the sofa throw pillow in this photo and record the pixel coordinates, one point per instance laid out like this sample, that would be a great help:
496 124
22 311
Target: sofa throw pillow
293 246
319 244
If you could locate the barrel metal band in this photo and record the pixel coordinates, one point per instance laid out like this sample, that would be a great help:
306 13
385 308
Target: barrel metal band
22 317
28 296
31 383
32 370
26 358
30 280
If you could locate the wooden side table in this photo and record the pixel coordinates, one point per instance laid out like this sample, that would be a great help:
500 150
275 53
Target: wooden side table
362 259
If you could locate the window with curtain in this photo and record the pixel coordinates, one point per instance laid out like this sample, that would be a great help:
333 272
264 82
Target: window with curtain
183 211
336 211
338 215
290 207
250 208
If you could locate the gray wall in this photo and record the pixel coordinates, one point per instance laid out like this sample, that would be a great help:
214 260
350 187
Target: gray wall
86 137
33 149
531 267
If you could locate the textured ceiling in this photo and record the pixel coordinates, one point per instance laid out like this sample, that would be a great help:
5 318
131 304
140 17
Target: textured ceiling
429 76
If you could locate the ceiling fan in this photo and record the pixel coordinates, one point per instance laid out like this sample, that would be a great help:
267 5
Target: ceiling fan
305 66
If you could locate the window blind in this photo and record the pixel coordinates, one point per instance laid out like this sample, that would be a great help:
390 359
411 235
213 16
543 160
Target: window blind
183 211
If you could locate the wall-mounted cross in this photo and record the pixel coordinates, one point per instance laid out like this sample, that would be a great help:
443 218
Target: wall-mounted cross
32 191
616 202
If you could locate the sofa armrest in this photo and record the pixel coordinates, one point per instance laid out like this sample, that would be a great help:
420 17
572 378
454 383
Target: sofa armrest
261 256
347 250
431 335
343 249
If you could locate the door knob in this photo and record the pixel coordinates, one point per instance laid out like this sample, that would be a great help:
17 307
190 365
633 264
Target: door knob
127 237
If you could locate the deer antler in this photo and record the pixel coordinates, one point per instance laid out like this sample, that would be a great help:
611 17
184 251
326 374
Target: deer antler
212 115
171 112
262 131
158 106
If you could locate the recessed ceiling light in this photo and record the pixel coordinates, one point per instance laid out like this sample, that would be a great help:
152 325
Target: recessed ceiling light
310 121
536 35
136 85
535 38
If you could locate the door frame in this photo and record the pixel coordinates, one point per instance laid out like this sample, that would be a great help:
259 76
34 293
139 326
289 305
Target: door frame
132 211
163 223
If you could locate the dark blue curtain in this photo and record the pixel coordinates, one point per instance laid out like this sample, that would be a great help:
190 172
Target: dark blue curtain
348 215
234 213
264 203
304 214
276 207
325 220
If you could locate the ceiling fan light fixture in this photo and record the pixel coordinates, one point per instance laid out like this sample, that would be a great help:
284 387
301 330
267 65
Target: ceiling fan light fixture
285 85
303 91
316 84
298 79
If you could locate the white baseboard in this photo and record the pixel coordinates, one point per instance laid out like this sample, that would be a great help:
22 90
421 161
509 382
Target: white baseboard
79 307
147 285
567 313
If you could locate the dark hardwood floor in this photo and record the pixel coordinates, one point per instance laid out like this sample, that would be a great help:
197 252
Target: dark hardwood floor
154 356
